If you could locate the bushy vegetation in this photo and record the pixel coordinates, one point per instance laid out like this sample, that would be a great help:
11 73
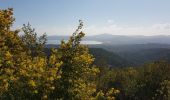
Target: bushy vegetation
148 82
27 73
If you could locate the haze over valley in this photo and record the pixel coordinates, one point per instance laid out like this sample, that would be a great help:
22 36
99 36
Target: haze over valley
116 39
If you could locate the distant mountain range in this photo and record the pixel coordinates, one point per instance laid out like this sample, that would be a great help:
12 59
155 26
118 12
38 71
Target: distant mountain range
120 39
118 50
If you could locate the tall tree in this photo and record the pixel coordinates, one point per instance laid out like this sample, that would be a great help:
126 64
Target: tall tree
77 70
33 44
22 75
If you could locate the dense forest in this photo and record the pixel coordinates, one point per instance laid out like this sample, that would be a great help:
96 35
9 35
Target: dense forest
30 71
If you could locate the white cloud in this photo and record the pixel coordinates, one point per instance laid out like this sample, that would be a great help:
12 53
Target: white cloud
156 29
110 21
162 26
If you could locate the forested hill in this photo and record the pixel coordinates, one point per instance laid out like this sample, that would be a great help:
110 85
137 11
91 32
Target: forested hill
143 56
104 58
139 54
129 58
126 55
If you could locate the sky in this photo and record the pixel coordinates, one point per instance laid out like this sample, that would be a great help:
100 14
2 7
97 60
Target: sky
117 17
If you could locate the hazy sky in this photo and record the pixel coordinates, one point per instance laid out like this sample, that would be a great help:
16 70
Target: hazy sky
118 17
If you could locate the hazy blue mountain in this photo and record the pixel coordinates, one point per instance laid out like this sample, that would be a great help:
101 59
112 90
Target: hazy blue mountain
57 37
120 39
57 40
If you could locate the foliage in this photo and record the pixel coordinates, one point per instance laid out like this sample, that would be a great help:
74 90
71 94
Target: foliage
149 82
21 74
77 70
33 44
27 73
